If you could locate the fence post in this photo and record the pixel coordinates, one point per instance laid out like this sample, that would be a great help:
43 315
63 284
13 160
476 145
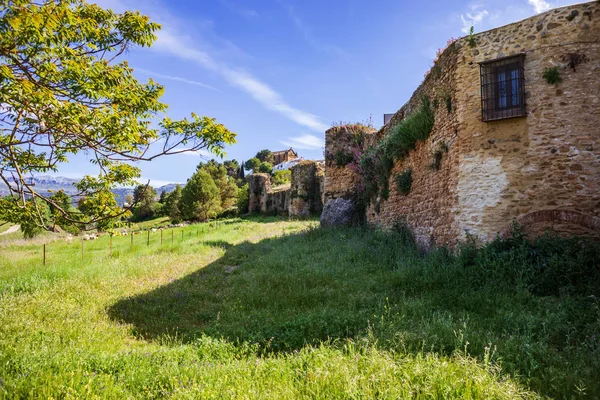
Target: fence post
44 253
111 245
182 234
148 242
82 248
172 235
131 238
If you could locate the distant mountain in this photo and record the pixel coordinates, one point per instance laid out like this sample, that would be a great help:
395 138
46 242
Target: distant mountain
44 184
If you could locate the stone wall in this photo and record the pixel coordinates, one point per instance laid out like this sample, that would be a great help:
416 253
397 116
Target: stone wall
305 191
541 170
301 198
341 144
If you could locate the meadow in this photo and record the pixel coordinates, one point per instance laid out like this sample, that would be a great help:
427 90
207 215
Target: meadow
270 308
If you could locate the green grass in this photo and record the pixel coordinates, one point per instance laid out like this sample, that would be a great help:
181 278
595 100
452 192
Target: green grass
265 308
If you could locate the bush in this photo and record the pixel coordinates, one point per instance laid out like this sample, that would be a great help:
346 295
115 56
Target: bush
404 181
281 177
243 199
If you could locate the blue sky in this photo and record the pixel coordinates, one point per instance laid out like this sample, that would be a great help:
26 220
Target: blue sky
280 72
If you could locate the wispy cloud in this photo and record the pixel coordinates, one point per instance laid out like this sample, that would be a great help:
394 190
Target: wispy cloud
307 34
178 45
172 42
539 5
175 78
247 13
474 17
304 142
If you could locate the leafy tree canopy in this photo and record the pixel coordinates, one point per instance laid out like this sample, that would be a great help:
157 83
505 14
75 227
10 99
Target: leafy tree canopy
265 156
265 168
63 90
253 164
200 198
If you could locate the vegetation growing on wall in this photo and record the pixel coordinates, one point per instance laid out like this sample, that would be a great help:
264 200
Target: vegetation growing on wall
471 38
375 164
343 151
437 156
552 75
404 182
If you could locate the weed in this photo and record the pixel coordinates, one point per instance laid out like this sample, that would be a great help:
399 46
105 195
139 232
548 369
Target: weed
552 75
471 39
404 182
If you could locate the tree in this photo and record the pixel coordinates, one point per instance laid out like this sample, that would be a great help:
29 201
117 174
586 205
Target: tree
241 174
265 156
200 199
232 167
253 164
171 207
144 198
265 168
226 184
163 197
64 91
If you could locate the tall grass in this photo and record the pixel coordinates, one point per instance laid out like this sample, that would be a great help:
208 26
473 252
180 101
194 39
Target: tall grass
265 308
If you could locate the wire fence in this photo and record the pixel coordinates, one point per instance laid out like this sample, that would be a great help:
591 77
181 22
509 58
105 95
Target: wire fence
152 236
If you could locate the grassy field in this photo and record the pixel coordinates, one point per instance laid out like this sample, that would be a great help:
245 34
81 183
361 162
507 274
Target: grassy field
265 308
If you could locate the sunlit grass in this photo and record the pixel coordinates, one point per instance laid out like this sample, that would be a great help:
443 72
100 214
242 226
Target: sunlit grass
265 308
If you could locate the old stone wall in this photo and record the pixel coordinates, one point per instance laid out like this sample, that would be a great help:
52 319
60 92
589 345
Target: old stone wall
305 191
541 170
341 144
301 198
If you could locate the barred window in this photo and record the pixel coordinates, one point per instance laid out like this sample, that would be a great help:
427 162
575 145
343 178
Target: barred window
502 88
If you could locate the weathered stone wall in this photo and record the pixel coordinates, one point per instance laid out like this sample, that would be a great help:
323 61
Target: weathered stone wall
301 198
259 188
341 142
305 192
542 170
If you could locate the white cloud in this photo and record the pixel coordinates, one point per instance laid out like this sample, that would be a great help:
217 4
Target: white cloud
304 142
474 17
246 13
539 5
170 41
175 78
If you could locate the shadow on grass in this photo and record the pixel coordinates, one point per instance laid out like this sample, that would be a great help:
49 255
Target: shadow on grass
267 293
283 293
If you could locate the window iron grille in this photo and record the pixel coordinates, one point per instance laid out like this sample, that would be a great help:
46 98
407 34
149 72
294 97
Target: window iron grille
503 88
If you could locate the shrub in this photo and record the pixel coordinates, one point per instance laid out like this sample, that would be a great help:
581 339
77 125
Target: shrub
552 75
243 199
281 177
404 181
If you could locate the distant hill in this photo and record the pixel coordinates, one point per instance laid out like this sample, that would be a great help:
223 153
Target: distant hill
45 183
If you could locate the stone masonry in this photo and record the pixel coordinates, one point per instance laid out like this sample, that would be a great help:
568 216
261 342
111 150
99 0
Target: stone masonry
541 170
301 198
